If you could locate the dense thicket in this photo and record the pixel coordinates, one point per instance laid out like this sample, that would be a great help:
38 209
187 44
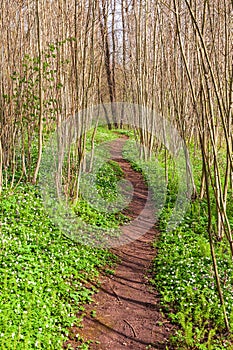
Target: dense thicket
174 56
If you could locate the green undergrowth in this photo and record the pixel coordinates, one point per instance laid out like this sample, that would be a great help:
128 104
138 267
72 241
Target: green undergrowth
44 275
105 185
184 276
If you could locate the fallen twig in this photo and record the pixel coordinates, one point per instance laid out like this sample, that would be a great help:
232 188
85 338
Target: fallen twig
134 332
116 295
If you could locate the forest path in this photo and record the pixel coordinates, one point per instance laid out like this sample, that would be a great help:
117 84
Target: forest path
128 314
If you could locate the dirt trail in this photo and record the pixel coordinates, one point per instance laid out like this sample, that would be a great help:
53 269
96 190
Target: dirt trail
127 308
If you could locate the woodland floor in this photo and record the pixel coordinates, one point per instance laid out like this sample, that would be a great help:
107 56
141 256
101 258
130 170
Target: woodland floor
128 311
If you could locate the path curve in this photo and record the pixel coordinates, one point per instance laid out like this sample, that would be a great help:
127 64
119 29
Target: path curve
128 313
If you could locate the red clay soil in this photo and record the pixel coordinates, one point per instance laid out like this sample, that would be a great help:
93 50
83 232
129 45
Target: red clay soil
128 312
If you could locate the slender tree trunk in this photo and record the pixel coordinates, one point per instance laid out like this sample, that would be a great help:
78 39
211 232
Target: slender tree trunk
40 124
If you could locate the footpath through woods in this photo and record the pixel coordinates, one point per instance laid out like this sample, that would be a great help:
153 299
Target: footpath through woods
127 309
